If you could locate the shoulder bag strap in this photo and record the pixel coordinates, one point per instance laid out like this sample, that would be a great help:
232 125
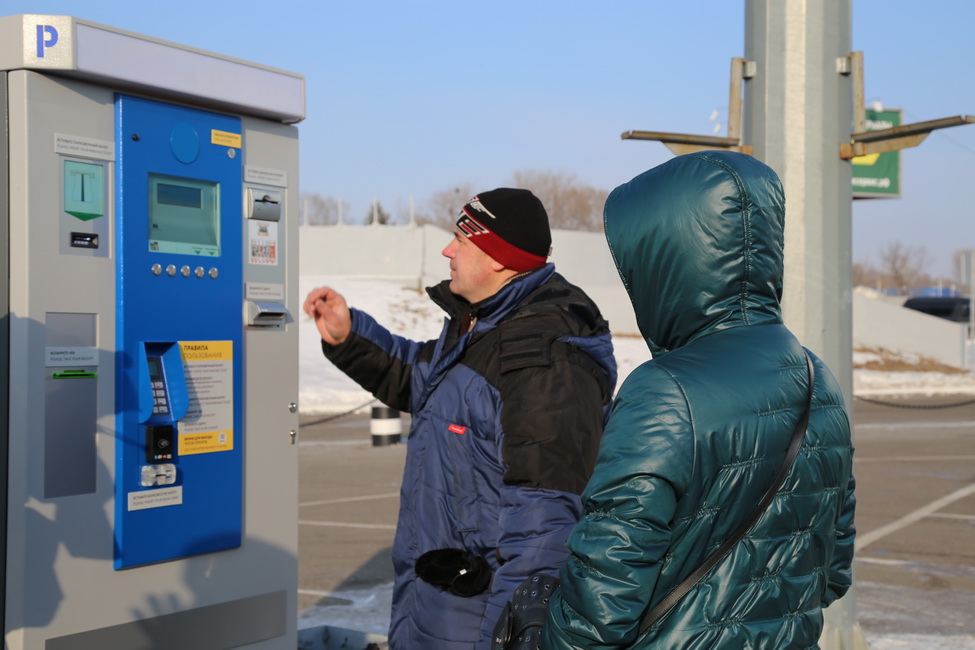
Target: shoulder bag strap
712 560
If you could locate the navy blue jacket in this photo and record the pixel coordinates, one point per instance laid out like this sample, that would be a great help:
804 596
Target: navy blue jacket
506 422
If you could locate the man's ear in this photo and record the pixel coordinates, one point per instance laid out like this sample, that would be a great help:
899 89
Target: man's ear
497 266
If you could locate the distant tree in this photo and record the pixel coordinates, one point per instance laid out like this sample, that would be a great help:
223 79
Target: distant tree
318 210
904 266
571 205
444 206
377 214
865 275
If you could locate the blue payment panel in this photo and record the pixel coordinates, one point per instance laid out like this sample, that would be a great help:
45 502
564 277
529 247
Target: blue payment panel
178 482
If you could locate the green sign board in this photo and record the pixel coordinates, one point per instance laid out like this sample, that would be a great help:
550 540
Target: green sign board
878 175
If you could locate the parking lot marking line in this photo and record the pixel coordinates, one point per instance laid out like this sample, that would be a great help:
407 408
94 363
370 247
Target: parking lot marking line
947 515
345 524
913 459
863 541
328 502
314 592
892 426
351 442
882 561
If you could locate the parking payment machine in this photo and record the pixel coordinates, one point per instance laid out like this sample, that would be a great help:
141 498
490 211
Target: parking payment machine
148 351
178 331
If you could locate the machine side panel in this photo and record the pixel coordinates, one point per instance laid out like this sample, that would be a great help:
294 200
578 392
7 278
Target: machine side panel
271 366
59 520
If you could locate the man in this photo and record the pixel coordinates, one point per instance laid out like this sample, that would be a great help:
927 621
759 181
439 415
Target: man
697 434
507 406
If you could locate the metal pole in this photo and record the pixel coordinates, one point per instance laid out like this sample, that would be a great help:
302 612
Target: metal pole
969 338
4 344
385 426
798 110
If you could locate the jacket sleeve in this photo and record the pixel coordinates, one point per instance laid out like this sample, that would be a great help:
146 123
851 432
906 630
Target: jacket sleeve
552 417
617 549
841 567
379 361
835 428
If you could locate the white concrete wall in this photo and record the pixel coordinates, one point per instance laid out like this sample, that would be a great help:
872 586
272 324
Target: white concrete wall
878 322
386 252
584 259
411 255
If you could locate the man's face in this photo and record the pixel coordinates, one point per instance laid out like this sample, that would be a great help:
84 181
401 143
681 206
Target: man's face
474 274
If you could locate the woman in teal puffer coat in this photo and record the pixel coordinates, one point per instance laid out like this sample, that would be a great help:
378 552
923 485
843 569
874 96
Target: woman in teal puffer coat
697 434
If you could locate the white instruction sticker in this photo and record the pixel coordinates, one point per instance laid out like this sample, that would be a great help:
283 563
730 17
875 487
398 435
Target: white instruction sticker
145 499
275 177
59 357
74 145
264 291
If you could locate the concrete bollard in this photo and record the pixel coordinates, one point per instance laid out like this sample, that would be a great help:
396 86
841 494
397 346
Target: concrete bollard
385 426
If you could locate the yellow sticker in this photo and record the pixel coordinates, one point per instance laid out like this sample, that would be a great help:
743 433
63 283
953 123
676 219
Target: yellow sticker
225 138
208 425
205 443
869 159
206 350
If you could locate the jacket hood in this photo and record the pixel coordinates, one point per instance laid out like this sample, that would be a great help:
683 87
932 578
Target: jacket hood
698 243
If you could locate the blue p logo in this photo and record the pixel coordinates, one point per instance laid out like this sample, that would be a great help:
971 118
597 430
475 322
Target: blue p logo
47 36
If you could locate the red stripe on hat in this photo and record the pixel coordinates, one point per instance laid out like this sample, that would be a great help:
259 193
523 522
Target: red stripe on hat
499 249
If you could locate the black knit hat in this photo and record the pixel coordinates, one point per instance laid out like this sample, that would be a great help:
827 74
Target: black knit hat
510 225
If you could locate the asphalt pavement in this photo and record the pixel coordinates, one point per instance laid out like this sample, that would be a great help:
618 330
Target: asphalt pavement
915 564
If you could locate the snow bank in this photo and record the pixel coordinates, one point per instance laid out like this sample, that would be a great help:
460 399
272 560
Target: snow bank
323 389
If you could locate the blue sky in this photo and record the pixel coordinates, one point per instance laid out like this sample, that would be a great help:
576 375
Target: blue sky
408 98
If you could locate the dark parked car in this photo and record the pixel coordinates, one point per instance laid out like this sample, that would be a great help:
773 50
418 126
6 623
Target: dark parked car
955 308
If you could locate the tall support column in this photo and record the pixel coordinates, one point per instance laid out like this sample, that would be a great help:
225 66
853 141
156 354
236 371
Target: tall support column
798 109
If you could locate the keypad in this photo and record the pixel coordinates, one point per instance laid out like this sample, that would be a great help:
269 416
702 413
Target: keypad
160 403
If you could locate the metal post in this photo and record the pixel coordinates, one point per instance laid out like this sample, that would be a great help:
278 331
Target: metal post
798 109
968 259
4 343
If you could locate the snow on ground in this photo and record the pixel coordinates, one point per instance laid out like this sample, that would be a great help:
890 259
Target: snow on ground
367 611
323 389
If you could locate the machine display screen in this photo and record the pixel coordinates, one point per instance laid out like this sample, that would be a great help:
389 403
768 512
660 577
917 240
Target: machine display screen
184 216
155 372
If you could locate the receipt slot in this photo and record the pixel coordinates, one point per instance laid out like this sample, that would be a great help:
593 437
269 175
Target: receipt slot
148 353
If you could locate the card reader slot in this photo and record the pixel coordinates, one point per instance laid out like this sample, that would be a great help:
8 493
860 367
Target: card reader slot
262 313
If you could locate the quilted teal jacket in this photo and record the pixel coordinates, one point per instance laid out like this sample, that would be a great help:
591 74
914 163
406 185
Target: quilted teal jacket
697 433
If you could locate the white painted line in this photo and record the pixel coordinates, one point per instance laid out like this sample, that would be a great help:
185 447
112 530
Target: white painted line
892 426
335 443
313 592
343 524
945 515
912 459
371 497
863 541
885 562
